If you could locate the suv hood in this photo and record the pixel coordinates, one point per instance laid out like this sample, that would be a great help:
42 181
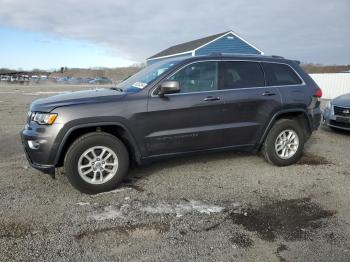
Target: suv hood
75 98
343 100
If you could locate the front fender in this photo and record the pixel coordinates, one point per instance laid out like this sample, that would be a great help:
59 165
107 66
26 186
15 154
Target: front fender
70 127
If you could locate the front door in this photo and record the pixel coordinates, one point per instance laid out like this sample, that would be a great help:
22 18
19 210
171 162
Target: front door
189 120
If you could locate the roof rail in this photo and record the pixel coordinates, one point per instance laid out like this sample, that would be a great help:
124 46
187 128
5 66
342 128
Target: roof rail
215 54
230 54
277 56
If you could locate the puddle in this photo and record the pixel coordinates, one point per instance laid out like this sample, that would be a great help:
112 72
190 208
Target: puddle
313 160
241 240
280 249
290 219
183 209
14 229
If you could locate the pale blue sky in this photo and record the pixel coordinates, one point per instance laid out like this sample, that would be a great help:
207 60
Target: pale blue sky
111 33
28 50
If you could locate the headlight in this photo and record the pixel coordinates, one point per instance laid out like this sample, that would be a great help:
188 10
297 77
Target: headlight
44 118
328 106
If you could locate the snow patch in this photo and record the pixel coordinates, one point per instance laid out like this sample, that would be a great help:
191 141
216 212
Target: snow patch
182 209
83 203
108 213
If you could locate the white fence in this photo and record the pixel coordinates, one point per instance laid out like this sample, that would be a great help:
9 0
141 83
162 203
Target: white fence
332 84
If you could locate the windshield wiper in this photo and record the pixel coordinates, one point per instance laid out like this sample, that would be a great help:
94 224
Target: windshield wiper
117 89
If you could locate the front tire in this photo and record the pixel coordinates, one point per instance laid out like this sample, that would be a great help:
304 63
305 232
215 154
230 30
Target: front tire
96 162
284 144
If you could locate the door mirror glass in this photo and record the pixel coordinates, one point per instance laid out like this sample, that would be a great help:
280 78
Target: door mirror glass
168 87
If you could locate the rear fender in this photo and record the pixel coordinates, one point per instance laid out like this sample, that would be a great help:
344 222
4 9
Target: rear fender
280 114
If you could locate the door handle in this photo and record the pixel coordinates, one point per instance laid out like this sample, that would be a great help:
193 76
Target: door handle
268 93
211 98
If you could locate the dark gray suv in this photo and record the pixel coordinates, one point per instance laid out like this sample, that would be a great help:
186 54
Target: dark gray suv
174 107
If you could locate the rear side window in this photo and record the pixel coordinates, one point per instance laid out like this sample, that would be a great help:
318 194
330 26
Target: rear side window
240 74
279 75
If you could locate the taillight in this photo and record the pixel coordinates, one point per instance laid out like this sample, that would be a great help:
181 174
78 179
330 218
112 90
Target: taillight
318 93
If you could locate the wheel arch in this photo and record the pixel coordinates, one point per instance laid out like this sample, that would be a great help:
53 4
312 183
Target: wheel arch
116 129
299 114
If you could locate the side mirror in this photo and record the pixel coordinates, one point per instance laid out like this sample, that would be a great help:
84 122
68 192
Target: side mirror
168 87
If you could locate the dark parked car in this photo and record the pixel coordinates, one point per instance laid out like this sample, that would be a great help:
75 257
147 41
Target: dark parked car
175 107
337 113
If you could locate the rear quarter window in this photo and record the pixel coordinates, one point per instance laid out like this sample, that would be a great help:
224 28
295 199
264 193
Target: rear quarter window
280 74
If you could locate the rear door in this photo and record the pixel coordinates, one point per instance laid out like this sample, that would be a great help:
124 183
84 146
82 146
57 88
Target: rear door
248 103
288 82
189 120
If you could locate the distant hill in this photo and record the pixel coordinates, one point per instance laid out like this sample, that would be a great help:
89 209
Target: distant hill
120 73
5 71
116 74
317 68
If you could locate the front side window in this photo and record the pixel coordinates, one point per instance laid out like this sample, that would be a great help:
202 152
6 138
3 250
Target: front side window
197 77
280 74
240 74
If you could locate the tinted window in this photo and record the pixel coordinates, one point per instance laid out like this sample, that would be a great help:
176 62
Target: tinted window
197 77
278 74
240 75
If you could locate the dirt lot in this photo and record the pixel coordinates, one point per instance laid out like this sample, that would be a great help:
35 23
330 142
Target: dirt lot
215 207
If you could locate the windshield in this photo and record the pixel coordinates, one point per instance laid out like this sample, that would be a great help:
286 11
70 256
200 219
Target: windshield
140 80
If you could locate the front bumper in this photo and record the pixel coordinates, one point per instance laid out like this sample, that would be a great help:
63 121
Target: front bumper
36 154
331 120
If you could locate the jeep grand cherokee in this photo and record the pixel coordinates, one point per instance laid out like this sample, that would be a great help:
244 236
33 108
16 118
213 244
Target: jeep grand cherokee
174 107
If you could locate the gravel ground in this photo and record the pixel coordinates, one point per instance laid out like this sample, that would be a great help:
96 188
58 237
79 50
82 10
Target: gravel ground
212 207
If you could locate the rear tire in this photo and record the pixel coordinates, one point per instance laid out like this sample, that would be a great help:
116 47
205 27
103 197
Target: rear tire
96 162
284 143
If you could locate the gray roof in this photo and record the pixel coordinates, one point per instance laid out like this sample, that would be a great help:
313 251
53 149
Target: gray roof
188 46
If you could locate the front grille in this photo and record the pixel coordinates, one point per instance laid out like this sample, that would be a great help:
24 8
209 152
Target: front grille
342 111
